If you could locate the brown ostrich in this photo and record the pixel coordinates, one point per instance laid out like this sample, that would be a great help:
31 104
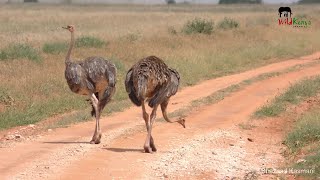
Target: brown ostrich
94 77
152 80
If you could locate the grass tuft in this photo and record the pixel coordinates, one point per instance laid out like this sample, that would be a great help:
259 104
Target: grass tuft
198 26
89 41
18 51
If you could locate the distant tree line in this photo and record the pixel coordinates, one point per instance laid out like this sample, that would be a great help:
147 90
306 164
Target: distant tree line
171 1
240 1
308 1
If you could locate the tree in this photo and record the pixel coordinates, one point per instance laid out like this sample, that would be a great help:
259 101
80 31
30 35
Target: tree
240 1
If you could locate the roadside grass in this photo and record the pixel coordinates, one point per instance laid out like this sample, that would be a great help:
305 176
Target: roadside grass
130 35
305 132
303 143
304 139
294 95
19 51
311 163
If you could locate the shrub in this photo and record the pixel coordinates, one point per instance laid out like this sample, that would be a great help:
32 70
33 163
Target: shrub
172 30
198 25
89 41
17 51
228 23
54 48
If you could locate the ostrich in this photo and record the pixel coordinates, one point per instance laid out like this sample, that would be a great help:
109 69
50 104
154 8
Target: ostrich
152 80
93 77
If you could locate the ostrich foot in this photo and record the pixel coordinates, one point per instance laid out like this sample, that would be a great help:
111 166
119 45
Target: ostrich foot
153 147
147 149
182 121
96 139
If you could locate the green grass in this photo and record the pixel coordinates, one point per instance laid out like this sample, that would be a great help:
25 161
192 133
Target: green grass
19 51
198 26
306 131
89 41
294 95
55 48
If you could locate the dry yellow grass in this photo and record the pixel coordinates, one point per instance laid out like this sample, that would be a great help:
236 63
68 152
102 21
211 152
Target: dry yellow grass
40 90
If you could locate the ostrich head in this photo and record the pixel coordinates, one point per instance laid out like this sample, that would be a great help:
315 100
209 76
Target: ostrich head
69 28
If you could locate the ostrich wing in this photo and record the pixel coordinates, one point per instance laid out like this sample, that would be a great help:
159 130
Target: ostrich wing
168 89
74 73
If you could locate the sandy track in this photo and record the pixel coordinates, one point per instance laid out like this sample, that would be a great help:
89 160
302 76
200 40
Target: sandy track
64 153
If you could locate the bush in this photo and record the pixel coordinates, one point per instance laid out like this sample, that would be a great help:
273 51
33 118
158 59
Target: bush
55 48
89 41
228 23
198 25
17 51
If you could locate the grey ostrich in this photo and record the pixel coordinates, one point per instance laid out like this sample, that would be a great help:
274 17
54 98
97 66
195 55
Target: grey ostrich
152 80
94 77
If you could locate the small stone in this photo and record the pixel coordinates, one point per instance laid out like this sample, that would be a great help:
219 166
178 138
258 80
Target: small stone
17 136
301 160
214 153
32 125
231 144
249 139
49 130
165 175
47 167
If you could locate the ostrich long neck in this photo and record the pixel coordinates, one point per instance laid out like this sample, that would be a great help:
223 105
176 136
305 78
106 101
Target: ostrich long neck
70 48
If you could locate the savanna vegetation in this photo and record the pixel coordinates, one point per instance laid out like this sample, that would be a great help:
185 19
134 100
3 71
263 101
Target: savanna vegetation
201 42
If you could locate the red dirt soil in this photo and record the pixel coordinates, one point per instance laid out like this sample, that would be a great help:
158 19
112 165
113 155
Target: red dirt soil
212 145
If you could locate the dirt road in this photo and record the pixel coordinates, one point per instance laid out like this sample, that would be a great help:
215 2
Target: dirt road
212 145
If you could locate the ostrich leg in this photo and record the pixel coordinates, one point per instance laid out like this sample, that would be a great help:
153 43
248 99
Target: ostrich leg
164 106
145 115
97 132
152 119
